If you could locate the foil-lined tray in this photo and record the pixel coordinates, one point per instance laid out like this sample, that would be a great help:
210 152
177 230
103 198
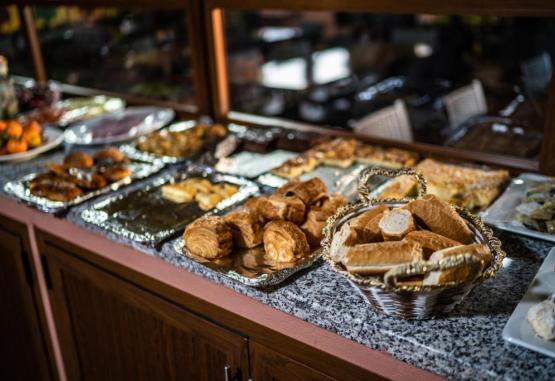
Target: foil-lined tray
250 266
338 180
253 164
20 189
144 215
131 150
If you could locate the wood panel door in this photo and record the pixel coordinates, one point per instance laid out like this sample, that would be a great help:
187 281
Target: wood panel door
269 365
22 346
111 329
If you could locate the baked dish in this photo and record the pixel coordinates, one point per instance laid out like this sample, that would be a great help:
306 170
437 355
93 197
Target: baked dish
344 152
200 190
537 209
286 224
472 188
80 173
427 230
181 143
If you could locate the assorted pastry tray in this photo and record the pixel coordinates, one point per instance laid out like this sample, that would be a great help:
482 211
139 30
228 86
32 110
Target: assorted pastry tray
163 207
518 330
267 239
62 186
176 143
526 207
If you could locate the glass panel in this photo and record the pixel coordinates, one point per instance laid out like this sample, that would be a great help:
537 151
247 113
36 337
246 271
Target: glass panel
13 44
471 82
141 52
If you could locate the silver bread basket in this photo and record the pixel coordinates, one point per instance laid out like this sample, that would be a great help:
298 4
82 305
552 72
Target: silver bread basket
404 299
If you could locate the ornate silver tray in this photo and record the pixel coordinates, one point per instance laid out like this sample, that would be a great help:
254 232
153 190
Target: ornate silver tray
19 188
250 267
144 215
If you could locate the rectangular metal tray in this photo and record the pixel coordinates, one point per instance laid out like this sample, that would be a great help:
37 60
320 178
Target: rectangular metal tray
249 266
253 164
131 150
501 213
144 215
20 189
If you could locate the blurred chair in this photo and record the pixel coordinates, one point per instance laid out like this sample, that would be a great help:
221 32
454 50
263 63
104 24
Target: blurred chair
465 102
390 123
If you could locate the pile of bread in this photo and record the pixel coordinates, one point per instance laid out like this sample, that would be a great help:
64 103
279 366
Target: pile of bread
287 223
426 229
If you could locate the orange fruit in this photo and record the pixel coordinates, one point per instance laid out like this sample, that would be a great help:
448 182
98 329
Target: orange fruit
3 125
14 129
15 146
34 126
34 141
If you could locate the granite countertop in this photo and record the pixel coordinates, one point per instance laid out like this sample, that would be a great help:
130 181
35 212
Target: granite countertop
466 344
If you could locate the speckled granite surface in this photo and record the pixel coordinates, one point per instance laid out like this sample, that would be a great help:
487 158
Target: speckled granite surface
464 345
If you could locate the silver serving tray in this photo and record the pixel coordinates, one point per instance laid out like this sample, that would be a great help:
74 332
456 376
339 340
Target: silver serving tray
259 274
133 152
518 331
253 164
502 212
19 188
136 225
338 180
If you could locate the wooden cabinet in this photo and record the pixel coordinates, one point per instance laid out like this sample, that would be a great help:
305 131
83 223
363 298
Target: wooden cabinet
269 365
23 348
111 329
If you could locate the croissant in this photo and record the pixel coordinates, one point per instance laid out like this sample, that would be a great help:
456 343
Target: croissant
246 227
284 241
317 216
208 237
309 191
278 207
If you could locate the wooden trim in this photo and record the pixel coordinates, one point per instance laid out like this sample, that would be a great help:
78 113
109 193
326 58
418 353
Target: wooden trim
543 8
166 4
28 21
309 344
547 159
218 61
510 162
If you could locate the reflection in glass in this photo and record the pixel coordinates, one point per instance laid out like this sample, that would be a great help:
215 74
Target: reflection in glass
470 82
141 52
13 44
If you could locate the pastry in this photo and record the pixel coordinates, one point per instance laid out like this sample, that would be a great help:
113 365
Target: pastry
537 209
461 273
115 172
201 190
109 155
371 231
340 152
284 241
317 216
53 188
439 217
430 241
246 227
401 187
208 237
296 166
378 258
277 207
309 191
384 157
395 224
541 317
79 160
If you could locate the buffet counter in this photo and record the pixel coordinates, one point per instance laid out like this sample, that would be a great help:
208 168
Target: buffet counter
316 317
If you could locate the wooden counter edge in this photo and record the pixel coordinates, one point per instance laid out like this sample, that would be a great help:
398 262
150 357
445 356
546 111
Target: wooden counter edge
210 299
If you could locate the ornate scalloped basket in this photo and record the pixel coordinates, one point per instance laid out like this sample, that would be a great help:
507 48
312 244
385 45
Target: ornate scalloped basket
403 299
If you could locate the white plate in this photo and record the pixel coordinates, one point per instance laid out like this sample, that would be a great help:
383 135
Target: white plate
518 331
501 213
53 137
125 125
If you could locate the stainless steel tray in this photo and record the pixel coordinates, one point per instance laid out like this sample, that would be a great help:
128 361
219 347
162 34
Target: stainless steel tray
133 152
143 215
250 267
252 164
501 213
20 189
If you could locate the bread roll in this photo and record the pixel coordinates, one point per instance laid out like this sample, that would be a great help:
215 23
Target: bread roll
395 224
440 218
430 241
246 227
208 237
284 241
371 232
378 258
341 243
461 273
